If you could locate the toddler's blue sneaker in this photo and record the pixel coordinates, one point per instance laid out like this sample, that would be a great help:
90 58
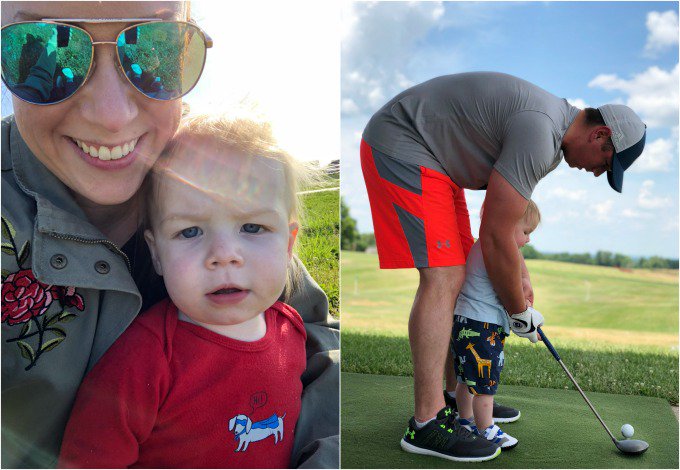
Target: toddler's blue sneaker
494 434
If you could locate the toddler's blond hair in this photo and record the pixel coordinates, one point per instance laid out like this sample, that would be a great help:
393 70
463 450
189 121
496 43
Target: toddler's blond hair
532 216
249 136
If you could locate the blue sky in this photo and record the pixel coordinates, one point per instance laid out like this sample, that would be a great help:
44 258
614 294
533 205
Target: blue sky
589 53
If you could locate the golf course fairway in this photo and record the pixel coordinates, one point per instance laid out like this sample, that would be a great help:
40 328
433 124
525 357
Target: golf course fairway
556 430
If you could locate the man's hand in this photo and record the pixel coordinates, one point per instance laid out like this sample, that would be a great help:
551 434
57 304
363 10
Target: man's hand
525 324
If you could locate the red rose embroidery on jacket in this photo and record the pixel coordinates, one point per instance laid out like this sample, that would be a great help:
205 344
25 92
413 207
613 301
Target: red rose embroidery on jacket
24 297
26 300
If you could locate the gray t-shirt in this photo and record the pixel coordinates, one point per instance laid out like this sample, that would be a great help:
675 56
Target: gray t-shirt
477 299
467 124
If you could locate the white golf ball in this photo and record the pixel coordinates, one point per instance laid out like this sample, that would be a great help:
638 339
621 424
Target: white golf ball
627 431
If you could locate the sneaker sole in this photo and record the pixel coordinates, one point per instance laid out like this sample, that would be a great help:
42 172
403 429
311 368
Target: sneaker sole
507 420
510 446
419 450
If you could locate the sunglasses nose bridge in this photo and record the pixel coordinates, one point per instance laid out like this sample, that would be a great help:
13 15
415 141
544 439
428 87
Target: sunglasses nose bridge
116 62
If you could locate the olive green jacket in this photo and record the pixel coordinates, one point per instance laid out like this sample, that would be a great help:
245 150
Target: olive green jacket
68 293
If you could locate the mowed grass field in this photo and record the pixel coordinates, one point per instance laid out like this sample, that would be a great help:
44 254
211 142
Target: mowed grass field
589 306
318 244
616 331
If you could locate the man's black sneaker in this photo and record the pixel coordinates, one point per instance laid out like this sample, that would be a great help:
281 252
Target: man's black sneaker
501 414
445 438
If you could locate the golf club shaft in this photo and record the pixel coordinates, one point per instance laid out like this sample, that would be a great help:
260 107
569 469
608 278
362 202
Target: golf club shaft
573 380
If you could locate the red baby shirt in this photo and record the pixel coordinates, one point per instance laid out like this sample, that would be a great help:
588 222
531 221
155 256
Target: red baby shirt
173 394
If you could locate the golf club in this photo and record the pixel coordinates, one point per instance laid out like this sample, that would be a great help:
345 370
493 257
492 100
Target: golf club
627 446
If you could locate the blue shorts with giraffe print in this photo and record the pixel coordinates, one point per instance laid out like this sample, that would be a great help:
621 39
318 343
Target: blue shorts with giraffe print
478 354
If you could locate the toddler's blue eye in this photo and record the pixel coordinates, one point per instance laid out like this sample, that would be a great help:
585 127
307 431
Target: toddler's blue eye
191 232
251 228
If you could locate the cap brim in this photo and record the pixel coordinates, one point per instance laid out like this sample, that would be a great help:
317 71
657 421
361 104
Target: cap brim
615 177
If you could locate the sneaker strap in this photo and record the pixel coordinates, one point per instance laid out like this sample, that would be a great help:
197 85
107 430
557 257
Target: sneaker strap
493 432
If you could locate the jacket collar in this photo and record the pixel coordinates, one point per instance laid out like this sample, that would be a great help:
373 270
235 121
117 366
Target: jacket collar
57 211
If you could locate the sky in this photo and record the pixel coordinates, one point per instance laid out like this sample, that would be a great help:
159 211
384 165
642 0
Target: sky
590 53
270 55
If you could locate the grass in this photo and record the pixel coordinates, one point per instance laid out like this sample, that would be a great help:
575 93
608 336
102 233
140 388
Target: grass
621 371
556 430
319 243
590 307
616 331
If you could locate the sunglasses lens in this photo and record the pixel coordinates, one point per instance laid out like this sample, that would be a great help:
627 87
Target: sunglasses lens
44 63
162 60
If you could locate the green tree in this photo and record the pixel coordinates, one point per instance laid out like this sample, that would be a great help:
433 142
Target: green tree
582 258
622 261
604 258
364 241
656 262
349 233
529 252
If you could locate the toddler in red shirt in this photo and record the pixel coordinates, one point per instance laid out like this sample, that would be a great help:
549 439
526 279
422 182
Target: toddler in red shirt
209 378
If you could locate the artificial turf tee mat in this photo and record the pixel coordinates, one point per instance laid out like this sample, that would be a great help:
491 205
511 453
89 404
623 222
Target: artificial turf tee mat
556 429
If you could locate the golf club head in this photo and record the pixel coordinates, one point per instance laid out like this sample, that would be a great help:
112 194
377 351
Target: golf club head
632 446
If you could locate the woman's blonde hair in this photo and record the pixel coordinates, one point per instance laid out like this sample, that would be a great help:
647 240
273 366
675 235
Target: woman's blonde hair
532 216
250 136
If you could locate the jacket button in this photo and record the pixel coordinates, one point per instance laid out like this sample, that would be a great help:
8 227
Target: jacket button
58 261
102 267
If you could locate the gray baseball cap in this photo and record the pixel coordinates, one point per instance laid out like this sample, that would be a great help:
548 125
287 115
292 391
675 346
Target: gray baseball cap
628 136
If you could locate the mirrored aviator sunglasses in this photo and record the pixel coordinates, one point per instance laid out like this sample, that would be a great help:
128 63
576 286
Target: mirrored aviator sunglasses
46 62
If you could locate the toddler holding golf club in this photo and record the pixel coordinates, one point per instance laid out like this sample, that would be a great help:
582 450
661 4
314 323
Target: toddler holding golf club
211 376
480 327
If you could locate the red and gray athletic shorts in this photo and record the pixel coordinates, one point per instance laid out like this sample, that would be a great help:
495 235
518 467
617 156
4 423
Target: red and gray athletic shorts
420 217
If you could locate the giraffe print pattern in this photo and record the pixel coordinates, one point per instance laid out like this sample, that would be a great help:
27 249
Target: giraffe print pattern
478 359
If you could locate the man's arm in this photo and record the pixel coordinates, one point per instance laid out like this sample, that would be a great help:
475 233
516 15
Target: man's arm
526 281
503 208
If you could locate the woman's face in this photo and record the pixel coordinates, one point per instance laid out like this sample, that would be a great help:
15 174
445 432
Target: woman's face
106 112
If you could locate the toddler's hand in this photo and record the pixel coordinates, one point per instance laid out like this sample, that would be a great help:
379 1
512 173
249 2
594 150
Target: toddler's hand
525 324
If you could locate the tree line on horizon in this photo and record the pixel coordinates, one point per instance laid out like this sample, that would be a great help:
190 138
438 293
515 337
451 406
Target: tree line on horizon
353 240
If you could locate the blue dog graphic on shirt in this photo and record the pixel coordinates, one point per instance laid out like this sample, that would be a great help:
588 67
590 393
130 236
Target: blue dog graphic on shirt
245 431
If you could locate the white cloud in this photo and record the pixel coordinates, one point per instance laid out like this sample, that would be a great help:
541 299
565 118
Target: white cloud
603 210
653 94
569 194
636 215
663 31
648 201
578 102
348 106
657 156
671 225
378 40
555 217
376 97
